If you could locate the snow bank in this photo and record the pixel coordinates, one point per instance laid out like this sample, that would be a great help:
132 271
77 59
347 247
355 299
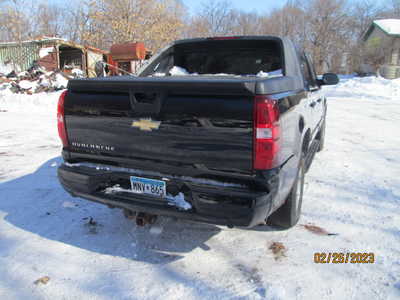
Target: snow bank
343 77
366 87
26 84
61 82
35 82
41 102
5 69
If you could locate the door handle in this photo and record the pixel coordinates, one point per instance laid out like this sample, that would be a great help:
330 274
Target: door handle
313 104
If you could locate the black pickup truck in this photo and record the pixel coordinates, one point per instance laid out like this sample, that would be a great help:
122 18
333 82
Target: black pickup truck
218 130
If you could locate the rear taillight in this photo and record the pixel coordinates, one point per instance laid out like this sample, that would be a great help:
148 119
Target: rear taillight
62 131
266 133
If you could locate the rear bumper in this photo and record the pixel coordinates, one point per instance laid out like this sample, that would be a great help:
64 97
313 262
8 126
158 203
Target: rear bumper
221 205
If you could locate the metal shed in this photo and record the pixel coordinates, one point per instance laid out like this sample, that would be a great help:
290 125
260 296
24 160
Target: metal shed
51 54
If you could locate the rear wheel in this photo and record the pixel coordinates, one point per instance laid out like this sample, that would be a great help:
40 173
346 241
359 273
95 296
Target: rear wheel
289 213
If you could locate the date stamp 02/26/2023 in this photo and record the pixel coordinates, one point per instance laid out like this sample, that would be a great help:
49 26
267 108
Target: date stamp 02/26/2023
344 258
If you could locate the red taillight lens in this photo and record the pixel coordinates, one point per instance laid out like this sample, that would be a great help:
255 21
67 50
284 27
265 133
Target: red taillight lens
62 131
266 133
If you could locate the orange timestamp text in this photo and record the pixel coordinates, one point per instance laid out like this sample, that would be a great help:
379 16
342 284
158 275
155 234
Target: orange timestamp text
344 258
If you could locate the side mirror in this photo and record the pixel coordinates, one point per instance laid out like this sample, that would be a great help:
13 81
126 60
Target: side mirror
329 79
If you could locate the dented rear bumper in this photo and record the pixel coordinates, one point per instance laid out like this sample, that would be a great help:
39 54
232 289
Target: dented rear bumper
223 204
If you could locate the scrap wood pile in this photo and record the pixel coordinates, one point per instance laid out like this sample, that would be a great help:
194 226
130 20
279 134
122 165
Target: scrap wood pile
34 80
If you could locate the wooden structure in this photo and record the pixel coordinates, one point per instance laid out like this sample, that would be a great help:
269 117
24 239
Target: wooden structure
51 54
383 37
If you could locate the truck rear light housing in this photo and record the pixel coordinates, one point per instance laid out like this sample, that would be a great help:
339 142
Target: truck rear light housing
62 131
266 128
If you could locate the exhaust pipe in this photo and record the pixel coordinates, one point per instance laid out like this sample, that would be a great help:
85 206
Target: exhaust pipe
143 219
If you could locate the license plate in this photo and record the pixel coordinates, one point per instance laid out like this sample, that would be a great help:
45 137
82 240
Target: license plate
147 186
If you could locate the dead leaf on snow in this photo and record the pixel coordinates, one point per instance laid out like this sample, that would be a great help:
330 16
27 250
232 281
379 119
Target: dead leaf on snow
278 249
42 280
317 230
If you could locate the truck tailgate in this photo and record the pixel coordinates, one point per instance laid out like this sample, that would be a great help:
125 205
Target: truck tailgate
205 123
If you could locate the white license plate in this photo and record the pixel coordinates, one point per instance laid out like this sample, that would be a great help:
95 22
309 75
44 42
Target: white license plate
140 185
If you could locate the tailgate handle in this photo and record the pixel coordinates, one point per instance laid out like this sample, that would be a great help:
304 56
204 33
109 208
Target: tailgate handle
146 103
148 98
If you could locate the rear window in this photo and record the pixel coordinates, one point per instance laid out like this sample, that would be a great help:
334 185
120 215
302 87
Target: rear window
221 57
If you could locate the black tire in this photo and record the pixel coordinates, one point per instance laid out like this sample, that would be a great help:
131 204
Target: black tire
321 137
288 214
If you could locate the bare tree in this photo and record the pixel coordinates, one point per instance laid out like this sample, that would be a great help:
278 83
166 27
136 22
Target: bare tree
290 21
396 8
327 32
114 21
363 13
49 20
14 24
392 9
214 18
245 23
78 18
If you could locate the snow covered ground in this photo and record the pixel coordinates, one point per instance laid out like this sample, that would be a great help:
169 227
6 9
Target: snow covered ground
88 251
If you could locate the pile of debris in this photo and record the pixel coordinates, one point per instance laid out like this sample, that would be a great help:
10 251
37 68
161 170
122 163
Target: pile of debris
34 80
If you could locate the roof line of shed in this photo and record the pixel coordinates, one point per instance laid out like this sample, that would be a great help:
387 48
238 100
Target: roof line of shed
384 30
59 41
371 27
44 40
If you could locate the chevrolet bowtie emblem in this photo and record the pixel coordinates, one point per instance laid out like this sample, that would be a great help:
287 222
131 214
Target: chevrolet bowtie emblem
146 124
